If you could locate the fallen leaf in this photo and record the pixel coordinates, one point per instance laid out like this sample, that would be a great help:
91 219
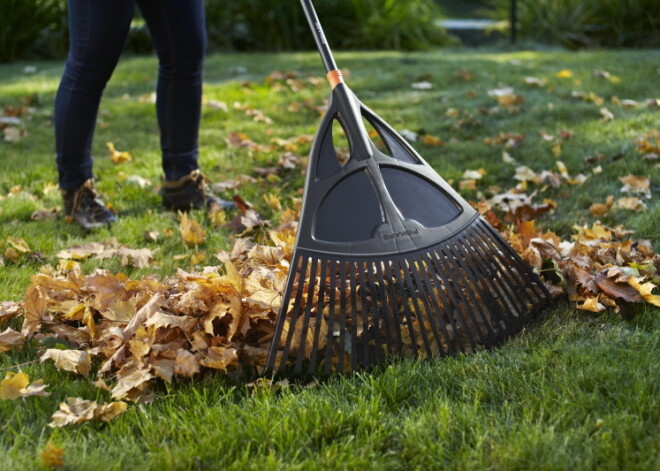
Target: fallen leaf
17 385
51 455
564 74
44 214
636 185
14 134
630 203
600 209
474 174
422 85
645 290
191 231
77 410
606 114
430 140
76 361
591 304
19 244
10 339
535 81
505 96
220 358
185 364
117 157
9 309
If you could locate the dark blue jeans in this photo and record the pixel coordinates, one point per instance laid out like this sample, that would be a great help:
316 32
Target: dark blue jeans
98 30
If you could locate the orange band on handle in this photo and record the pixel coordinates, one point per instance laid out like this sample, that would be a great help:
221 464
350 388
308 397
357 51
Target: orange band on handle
335 78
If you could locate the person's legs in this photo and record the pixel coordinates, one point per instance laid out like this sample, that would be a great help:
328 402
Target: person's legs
178 31
98 30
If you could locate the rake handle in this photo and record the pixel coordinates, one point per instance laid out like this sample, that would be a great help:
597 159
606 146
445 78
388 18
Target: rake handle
333 73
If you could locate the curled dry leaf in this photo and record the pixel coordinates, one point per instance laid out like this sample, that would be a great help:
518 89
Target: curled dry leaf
591 304
77 410
76 361
17 385
117 157
52 455
10 339
9 309
191 231
630 203
636 185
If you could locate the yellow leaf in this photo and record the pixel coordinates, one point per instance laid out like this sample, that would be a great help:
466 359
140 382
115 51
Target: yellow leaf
645 290
19 244
636 185
116 156
591 304
197 258
11 386
51 456
556 149
107 412
273 201
218 216
191 232
467 185
220 358
432 140
17 385
600 209
565 73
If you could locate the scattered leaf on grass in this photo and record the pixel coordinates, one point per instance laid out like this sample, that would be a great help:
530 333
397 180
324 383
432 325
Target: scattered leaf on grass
600 209
52 455
44 214
430 140
77 410
76 361
192 232
116 156
10 339
636 185
630 203
17 385
606 114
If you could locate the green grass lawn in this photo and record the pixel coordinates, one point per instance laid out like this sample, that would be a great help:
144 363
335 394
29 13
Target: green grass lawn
575 390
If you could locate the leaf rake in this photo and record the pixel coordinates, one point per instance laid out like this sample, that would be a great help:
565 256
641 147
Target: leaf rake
389 260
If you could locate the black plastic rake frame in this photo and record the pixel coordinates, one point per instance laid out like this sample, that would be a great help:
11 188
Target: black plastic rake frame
389 260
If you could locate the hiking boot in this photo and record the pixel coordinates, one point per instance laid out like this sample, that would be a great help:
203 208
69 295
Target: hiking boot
85 206
191 192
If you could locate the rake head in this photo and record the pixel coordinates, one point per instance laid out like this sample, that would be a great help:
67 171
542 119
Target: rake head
348 313
389 260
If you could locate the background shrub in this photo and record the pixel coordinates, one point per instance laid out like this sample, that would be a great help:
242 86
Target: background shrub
276 25
23 23
587 23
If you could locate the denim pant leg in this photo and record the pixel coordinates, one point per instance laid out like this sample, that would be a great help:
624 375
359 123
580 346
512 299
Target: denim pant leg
97 30
178 31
